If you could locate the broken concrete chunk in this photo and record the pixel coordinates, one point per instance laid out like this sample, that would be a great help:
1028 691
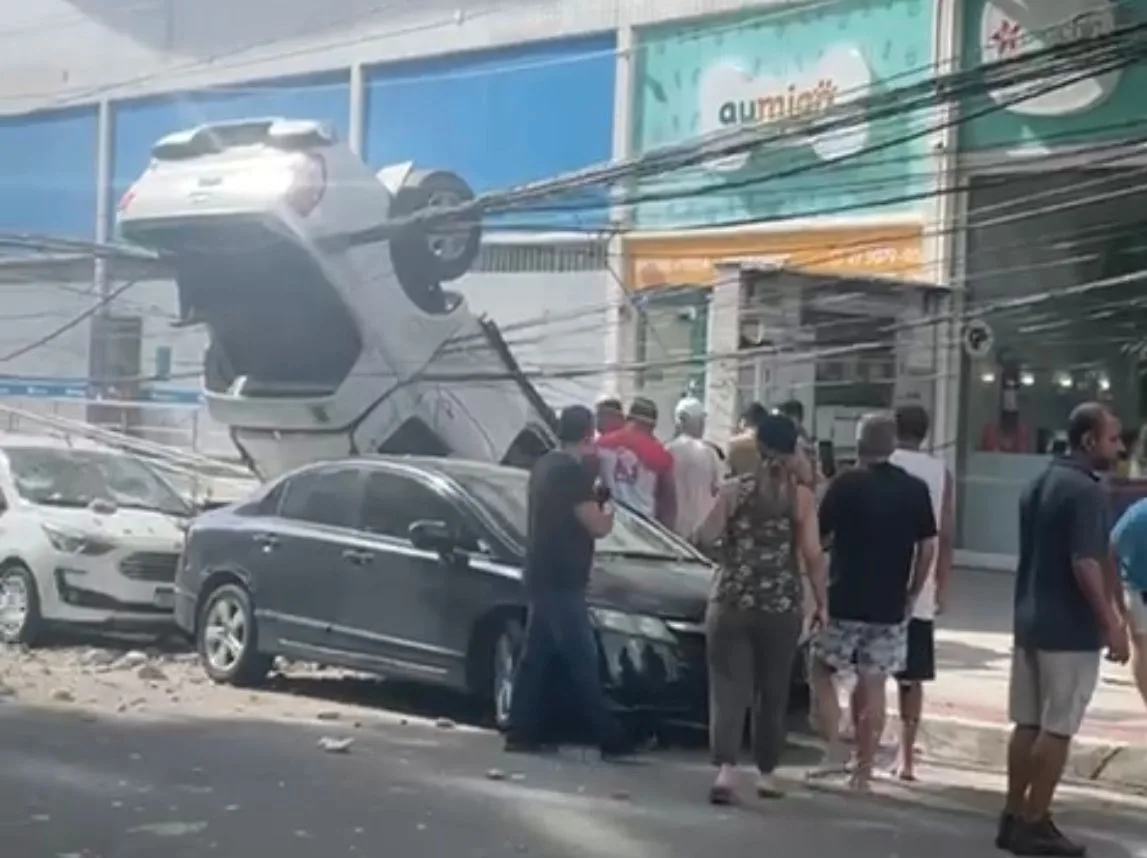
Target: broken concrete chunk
62 695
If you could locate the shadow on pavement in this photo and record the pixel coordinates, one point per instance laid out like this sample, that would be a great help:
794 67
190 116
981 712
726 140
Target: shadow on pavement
415 789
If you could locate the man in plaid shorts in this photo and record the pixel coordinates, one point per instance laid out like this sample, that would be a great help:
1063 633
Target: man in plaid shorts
883 528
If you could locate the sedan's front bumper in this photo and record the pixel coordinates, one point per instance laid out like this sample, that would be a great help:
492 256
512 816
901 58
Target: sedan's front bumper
661 680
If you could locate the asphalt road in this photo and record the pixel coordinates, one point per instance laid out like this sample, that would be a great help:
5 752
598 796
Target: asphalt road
81 785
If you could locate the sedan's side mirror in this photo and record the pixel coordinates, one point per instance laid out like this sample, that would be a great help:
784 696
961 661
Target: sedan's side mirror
432 536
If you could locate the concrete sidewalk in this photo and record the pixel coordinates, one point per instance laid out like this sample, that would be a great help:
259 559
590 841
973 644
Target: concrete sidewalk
965 718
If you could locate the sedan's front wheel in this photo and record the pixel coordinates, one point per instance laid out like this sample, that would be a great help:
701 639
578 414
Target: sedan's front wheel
507 646
226 637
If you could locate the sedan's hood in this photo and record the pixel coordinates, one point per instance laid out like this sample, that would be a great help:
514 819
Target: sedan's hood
123 525
662 588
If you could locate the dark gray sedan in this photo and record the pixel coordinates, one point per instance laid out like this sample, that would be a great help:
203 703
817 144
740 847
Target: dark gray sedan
411 568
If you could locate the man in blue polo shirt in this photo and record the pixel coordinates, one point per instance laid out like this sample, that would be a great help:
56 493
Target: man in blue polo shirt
1129 545
1066 614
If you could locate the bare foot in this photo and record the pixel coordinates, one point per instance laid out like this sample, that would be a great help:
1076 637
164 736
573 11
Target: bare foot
906 774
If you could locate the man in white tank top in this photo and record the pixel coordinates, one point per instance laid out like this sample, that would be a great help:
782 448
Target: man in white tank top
912 426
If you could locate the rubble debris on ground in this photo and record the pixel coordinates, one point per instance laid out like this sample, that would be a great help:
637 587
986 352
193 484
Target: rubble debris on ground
335 745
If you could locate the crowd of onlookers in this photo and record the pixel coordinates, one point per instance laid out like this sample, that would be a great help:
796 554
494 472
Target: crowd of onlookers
856 562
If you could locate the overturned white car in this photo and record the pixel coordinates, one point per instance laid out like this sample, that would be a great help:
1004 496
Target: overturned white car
329 336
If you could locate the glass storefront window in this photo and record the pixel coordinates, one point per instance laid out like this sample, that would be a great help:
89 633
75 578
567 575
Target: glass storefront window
1041 237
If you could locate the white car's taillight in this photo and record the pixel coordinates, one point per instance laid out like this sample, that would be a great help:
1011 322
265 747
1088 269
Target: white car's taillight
309 184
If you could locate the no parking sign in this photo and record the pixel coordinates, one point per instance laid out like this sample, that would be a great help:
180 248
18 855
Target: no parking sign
978 339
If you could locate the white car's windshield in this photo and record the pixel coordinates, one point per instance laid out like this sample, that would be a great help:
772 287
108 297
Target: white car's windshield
504 494
65 477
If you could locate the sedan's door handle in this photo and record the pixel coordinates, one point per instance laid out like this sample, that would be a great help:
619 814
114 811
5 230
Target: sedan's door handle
267 540
358 556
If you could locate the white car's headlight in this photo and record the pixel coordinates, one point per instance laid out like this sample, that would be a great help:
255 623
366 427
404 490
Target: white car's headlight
637 625
70 542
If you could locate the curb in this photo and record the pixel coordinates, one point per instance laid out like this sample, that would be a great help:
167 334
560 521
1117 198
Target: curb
1095 762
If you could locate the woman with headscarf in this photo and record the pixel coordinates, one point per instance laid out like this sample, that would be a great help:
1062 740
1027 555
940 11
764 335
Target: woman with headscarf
762 531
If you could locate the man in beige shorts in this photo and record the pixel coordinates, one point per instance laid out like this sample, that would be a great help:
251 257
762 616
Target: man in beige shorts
1066 613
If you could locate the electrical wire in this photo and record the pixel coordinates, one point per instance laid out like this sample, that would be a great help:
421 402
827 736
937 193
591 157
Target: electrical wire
1092 70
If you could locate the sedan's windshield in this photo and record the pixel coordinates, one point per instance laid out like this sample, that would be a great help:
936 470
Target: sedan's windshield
504 493
67 477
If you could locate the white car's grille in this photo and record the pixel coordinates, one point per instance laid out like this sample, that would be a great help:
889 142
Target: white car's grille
150 566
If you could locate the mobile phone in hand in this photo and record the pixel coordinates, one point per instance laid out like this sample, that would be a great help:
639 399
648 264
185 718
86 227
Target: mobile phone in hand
602 493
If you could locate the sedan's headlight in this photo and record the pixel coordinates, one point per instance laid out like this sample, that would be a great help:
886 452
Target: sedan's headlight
636 625
70 542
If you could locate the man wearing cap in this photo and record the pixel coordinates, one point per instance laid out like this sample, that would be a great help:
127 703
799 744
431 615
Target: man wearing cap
636 466
696 467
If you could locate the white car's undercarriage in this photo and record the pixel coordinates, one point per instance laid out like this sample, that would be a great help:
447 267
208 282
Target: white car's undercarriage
324 343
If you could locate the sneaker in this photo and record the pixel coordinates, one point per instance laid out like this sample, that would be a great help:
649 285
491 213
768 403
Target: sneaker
767 787
1043 838
1005 830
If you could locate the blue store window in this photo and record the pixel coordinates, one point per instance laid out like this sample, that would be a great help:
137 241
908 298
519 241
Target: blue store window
501 118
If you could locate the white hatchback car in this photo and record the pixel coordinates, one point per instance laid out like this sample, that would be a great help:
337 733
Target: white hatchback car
88 536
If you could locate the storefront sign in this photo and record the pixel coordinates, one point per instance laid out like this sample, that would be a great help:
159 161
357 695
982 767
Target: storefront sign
731 96
1013 28
893 252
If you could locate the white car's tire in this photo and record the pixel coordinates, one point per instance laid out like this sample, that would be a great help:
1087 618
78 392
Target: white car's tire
438 254
20 619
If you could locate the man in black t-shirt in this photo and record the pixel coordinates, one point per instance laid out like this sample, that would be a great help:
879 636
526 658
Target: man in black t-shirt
883 529
566 514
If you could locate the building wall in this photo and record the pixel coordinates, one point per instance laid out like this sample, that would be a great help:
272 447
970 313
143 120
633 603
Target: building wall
56 52
554 324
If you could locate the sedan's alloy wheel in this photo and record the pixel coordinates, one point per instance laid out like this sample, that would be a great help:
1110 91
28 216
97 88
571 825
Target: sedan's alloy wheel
505 660
225 633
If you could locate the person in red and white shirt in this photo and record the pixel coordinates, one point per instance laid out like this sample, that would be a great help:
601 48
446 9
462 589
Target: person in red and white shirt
636 466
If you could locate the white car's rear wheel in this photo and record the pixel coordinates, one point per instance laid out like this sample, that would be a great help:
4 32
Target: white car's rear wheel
20 619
